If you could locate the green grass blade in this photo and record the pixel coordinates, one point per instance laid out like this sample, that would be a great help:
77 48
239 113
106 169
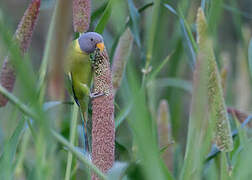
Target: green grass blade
21 64
187 34
22 151
73 128
160 67
152 34
141 123
116 39
171 9
134 22
146 6
175 83
21 106
241 132
98 12
105 18
10 147
203 4
122 115
224 166
214 14
191 37
242 170
79 155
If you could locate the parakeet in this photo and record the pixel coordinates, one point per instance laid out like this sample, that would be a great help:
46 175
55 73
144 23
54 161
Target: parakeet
79 68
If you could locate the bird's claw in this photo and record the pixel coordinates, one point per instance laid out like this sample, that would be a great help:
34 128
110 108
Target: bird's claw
96 95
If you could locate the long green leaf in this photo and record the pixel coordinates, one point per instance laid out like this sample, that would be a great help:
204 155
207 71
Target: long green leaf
134 21
242 168
214 14
141 125
160 67
203 4
18 103
116 39
141 9
187 34
105 18
72 140
20 63
98 11
123 114
224 166
171 9
176 83
10 147
152 34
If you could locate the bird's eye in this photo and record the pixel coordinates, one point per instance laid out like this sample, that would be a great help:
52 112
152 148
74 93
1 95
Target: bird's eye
91 39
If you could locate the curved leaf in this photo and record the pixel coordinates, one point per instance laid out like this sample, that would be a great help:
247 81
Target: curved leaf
105 18
134 21
6 160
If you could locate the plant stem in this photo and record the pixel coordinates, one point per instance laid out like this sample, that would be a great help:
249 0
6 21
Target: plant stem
79 155
18 103
152 33
72 139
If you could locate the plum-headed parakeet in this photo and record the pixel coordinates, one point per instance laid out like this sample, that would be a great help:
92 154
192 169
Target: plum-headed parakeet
79 68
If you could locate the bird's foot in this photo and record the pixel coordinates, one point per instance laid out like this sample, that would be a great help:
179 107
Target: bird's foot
96 95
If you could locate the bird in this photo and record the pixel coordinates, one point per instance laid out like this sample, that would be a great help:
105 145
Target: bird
78 67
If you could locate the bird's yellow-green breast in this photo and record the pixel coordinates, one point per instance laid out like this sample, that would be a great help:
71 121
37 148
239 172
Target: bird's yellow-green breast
79 66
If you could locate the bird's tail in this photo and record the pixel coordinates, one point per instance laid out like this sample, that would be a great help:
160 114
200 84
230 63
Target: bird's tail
85 131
